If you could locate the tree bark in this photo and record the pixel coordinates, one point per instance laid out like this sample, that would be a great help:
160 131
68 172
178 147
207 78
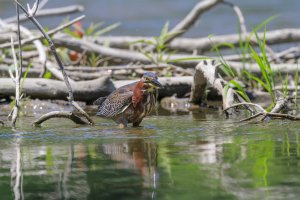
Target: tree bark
40 88
203 44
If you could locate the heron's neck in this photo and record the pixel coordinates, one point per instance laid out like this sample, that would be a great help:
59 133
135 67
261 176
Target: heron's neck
138 93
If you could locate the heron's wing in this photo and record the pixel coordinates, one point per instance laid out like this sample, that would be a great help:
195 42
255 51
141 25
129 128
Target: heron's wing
115 103
99 101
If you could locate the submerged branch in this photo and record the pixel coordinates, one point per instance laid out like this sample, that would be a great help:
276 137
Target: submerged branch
59 114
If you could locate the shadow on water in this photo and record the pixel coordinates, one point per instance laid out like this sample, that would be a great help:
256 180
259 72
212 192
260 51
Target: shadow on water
195 155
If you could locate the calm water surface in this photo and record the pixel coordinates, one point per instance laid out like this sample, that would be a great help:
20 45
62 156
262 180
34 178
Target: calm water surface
191 156
147 17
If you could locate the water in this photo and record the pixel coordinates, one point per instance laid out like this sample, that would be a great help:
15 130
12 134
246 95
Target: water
191 156
188 156
146 18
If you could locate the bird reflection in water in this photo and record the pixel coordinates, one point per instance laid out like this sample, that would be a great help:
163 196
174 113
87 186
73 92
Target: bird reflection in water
137 154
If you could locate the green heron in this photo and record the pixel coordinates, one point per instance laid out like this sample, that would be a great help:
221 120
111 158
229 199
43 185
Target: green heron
130 103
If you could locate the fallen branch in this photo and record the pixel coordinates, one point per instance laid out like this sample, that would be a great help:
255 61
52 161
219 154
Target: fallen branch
182 60
261 109
30 15
241 18
50 32
208 69
203 44
274 113
40 88
38 44
59 114
50 12
191 18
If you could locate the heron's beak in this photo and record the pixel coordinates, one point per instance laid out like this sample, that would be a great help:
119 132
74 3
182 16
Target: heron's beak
156 84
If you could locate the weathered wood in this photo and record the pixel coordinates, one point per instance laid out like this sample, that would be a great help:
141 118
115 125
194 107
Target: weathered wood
204 44
59 114
198 87
87 91
50 12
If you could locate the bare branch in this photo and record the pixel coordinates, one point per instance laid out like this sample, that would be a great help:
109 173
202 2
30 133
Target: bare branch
18 73
59 62
203 44
246 103
51 32
59 114
50 12
253 117
240 16
192 17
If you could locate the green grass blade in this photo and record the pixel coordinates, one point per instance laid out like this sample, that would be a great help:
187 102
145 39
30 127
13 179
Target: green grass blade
107 29
240 90
258 80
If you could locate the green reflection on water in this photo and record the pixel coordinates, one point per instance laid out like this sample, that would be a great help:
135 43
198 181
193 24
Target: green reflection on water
195 156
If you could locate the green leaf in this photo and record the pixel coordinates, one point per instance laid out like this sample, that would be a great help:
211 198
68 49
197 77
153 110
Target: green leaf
251 76
71 33
240 90
259 26
190 59
107 29
47 75
91 29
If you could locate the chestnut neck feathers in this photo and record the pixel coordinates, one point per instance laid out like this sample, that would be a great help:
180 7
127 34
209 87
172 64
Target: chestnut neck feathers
138 92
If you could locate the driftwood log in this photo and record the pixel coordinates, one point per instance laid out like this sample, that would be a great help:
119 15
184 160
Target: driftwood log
88 91
41 88
204 44
177 59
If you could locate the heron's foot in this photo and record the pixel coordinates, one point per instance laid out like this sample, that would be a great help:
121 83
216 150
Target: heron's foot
121 125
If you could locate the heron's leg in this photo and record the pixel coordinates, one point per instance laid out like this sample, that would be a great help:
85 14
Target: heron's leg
122 121
137 123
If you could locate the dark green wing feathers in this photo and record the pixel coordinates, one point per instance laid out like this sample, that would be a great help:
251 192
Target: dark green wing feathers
115 103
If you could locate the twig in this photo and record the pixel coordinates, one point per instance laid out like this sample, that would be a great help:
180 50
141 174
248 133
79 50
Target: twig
18 73
25 31
274 115
59 62
15 112
240 16
245 103
59 114
281 102
56 72
191 18
51 32
253 117
50 12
